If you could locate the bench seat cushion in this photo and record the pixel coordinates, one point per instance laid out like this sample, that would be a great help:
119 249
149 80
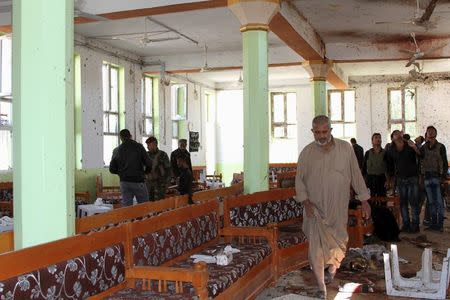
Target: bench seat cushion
287 239
263 213
155 248
76 278
222 277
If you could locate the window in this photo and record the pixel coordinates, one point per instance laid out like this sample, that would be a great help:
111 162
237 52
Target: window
342 113
147 109
5 103
402 110
284 115
179 113
110 110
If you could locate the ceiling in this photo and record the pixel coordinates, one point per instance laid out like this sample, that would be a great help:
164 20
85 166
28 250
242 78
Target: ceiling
346 28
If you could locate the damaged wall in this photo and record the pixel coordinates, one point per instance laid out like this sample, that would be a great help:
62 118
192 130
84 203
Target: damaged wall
372 108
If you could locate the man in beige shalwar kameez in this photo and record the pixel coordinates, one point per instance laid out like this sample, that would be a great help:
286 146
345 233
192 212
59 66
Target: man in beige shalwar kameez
326 169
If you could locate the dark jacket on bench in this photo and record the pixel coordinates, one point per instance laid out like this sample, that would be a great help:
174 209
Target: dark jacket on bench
130 161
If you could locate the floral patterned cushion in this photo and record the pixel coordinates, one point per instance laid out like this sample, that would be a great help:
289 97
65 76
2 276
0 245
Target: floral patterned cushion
263 213
111 225
287 239
76 278
277 170
6 194
222 277
155 248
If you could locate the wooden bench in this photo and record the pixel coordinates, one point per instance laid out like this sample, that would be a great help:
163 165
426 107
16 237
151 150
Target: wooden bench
276 168
6 191
143 259
277 210
286 179
126 214
109 194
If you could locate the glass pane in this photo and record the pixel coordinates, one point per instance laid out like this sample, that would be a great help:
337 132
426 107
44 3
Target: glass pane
148 97
335 106
410 128
144 138
148 126
396 127
350 130
5 150
338 130
278 108
174 104
114 123
291 108
6 65
349 106
278 132
292 131
410 105
105 123
105 78
181 99
114 90
396 105
5 113
174 144
110 142
175 130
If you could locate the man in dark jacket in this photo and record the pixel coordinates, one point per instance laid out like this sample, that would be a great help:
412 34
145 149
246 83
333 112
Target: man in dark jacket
359 152
180 152
130 161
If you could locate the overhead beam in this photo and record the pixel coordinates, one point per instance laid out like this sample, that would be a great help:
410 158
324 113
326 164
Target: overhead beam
161 10
292 28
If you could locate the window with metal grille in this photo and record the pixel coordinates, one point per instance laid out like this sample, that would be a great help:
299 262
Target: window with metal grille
342 113
110 110
402 110
284 115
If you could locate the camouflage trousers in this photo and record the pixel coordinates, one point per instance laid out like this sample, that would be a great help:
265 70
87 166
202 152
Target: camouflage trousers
156 190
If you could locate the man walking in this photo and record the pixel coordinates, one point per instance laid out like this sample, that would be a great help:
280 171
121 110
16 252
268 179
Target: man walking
159 174
434 167
326 169
129 161
180 152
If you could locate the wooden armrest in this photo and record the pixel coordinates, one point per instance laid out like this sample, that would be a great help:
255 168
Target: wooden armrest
199 271
198 276
249 231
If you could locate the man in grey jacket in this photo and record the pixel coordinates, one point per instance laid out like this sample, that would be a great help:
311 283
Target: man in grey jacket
130 161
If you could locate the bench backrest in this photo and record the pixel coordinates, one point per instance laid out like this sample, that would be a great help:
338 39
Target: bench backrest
286 179
126 214
6 241
218 194
71 268
281 168
174 235
6 191
262 208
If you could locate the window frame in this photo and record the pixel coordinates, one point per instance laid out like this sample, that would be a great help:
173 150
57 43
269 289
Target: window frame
7 98
403 120
176 118
342 119
284 124
109 112
144 116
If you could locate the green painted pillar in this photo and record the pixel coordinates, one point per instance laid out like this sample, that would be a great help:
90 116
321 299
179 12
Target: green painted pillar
319 90
256 111
43 134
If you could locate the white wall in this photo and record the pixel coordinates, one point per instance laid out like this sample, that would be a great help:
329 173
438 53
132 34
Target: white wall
372 110
92 105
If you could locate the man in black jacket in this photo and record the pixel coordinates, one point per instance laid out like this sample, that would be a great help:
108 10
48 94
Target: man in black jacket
180 152
359 152
130 161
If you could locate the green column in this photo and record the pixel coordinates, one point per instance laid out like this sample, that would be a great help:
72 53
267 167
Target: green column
319 88
43 136
256 111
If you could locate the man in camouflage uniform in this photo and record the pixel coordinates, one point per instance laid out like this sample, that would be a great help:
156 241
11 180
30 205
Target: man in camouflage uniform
159 174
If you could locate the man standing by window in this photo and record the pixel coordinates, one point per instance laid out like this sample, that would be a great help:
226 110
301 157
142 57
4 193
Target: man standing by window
129 161
404 157
374 168
434 167
159 174
180 152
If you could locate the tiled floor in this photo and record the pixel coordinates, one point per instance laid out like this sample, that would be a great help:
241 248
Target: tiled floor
300 284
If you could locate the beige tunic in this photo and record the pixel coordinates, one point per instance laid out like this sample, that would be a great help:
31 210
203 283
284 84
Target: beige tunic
324 177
